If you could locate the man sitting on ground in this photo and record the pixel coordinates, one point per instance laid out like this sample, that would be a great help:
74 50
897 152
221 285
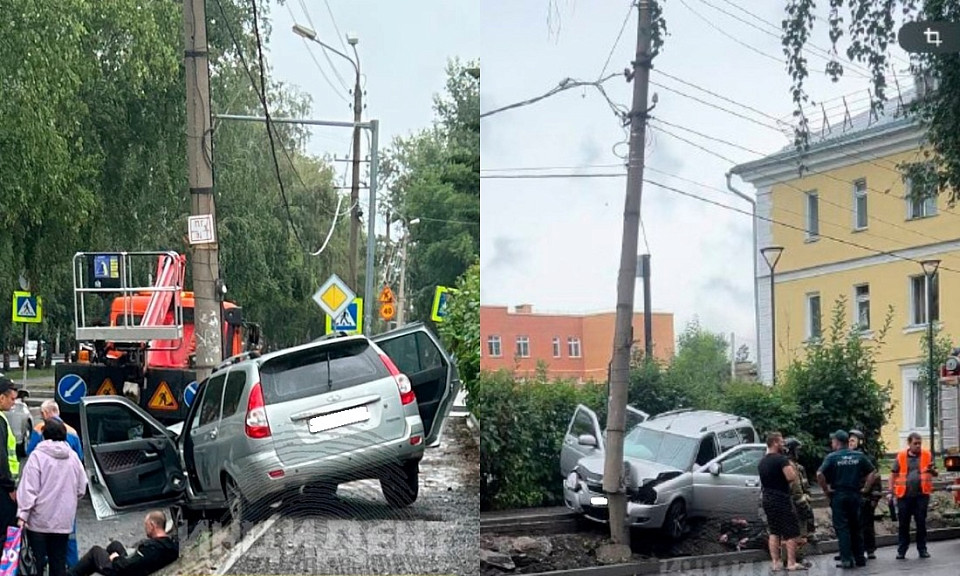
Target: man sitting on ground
157 551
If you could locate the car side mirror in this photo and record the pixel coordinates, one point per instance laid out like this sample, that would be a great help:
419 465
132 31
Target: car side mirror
587 440
715 469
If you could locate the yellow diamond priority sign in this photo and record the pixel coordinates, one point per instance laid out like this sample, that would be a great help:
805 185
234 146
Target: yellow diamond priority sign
334 296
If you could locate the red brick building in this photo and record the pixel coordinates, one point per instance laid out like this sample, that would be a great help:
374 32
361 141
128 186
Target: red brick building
576 346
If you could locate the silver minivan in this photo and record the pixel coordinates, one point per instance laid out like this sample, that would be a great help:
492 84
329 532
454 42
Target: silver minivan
267 428
678 465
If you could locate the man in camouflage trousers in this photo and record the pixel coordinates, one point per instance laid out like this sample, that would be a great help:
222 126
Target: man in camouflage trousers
800 491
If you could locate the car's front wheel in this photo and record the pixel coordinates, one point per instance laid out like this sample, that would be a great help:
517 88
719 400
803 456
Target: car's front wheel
675 522
401 485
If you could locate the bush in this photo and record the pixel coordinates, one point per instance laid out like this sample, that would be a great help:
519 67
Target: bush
835 386
765 406
460 331
523 424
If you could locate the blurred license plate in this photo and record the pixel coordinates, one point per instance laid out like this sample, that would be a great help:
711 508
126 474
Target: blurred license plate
338 419
598 501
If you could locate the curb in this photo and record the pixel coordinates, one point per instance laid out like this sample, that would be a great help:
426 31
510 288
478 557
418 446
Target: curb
687 563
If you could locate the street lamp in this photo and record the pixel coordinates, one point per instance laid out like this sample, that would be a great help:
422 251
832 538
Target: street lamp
772 255
929 271
309 34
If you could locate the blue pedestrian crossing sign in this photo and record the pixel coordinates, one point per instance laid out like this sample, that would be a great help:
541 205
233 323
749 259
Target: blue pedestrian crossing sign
71 388
190 392
439 311
349 321
27 308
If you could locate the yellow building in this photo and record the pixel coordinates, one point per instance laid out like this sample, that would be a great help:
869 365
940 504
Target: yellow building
849 227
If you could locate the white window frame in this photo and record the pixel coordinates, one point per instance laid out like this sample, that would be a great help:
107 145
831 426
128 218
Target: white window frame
494 342
911 381
808 299
811 223
557 348
573 347
928 208
522 342
860 193
857 301
921 318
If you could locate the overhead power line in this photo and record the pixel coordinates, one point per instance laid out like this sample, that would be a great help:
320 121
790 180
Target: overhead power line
309 48
565 84
626 20
687 194
711 24
266 113
796 188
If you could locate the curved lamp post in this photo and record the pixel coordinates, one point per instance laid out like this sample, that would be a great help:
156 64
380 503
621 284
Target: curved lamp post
929 271
772 255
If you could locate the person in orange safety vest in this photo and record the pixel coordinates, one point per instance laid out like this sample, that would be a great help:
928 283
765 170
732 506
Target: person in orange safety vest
911 481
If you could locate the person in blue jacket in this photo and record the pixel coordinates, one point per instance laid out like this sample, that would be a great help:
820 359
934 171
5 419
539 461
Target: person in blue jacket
49 409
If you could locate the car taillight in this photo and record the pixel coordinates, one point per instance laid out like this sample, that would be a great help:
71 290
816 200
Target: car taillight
403 383
256 425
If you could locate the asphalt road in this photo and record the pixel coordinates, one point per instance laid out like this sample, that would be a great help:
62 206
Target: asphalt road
944 562
357 534
361 534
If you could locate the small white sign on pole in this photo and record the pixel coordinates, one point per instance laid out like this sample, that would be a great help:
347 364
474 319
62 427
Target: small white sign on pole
201 229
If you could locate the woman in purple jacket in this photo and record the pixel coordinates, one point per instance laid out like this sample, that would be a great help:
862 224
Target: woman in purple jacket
51 484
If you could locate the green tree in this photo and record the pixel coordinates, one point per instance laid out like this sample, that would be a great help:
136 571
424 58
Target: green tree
434 175
834 387
701 366
871 28
94 115
460 331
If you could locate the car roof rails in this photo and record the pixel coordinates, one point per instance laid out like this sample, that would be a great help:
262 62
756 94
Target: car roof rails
248 355
671 413
731 420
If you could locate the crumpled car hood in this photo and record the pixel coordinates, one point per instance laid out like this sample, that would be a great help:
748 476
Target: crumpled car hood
643 470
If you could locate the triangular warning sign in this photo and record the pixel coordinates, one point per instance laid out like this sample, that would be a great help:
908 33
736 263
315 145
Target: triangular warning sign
163 399
107 389
26 310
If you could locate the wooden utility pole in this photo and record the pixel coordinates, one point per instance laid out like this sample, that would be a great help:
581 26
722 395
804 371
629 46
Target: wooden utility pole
626 284
355 189
206 265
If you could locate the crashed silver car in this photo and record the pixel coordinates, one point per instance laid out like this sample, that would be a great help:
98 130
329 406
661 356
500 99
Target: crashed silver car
677 465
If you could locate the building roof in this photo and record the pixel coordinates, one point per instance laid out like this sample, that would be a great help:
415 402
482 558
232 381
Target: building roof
842 133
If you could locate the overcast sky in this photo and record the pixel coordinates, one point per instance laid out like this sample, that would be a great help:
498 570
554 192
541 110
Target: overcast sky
404 48
555 243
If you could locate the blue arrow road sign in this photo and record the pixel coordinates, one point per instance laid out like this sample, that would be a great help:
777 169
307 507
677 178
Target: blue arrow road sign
71 388
190 392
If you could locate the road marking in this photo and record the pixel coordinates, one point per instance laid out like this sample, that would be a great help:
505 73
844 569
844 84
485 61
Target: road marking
247 543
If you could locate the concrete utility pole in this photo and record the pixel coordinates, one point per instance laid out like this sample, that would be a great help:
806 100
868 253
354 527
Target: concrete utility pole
206 264
626 283
355 184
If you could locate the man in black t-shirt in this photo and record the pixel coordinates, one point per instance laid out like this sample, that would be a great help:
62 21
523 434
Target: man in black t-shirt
776 474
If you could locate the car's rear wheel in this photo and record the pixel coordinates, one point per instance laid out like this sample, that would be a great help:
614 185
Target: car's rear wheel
401 484
239 510
675 522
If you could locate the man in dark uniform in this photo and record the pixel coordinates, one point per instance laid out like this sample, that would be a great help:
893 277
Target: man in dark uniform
9 463
871 498
841 477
